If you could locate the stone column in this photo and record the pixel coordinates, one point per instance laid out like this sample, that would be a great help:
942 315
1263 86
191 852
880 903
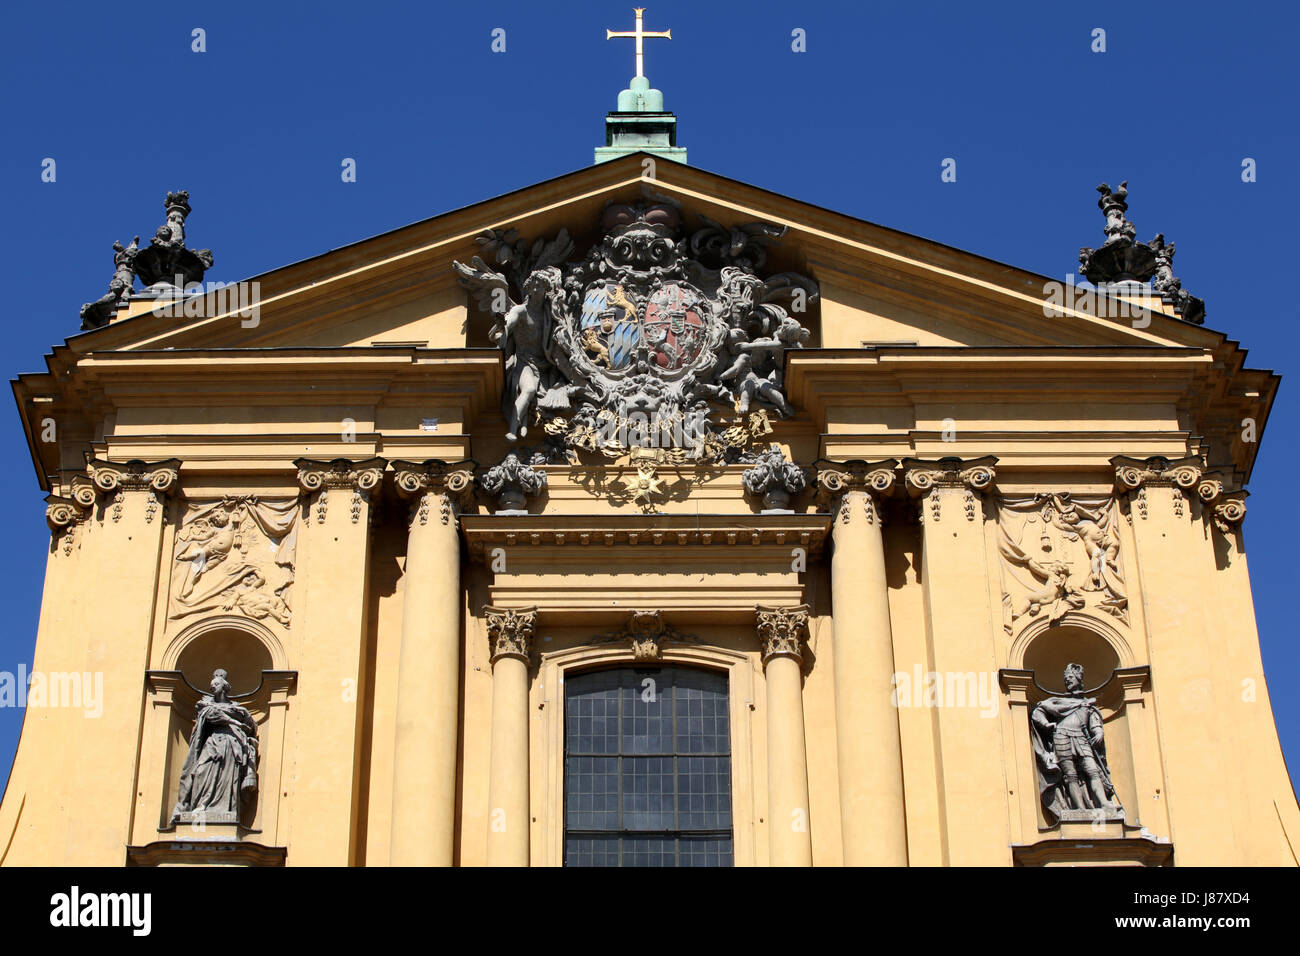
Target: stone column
961 623
872 814
428 678
118 630
510 633
330 617
782 632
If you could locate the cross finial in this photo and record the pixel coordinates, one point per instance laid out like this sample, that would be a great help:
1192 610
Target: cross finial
639 35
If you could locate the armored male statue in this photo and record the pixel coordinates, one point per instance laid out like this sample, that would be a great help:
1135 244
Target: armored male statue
1071 752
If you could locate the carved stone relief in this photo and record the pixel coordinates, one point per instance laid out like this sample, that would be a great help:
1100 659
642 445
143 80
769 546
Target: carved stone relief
1059 553
236 555
655 337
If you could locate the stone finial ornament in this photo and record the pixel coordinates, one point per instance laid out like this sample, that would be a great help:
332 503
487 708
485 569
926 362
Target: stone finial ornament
776 478
512 482
1121 258
96 315
1070 749
219 776
167 263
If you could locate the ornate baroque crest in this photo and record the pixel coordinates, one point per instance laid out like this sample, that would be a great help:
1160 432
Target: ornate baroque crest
655 338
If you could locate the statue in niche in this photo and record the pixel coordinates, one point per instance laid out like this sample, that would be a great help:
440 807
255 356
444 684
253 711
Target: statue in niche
1070 749
219 775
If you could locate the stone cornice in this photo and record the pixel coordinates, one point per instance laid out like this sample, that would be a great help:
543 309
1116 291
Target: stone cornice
510 632
782 631
667 531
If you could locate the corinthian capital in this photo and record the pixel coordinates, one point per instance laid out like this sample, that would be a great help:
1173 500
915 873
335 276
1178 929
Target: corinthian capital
510 631
971 476
114 478
320 477
782 631
452 483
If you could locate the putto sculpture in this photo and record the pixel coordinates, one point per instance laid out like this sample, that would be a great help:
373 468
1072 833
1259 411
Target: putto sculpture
219 776
1070 749
654 338
96 314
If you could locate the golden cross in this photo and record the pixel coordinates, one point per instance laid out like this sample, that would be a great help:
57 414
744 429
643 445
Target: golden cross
639 35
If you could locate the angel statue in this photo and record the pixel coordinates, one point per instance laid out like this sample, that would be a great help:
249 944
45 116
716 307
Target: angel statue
523 332
1070 748
220 770
759 368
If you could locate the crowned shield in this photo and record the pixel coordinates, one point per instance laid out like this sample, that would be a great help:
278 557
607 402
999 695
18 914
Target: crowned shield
674 326
610 328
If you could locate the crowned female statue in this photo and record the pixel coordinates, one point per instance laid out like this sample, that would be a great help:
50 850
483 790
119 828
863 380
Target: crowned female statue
220 770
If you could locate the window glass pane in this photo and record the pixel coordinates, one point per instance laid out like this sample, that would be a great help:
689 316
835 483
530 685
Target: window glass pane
704 793
647 770
704 851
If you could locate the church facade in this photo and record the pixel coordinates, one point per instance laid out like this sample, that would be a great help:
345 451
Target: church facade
645 517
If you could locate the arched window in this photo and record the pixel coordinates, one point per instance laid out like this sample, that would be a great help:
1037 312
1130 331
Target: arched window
647 768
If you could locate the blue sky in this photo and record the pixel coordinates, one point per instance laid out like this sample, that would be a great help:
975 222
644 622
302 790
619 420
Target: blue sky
257 126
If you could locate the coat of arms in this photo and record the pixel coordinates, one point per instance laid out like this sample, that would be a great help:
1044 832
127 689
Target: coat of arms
654 338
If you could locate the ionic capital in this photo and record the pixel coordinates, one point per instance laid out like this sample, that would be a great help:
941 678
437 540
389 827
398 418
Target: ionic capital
114 478
1132 474
510 632
1230 510
971 476
782 631
452 483
838 481
359 477
110 477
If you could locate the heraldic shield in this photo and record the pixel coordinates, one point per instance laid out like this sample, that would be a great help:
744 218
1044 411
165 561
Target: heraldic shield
674 326
610 328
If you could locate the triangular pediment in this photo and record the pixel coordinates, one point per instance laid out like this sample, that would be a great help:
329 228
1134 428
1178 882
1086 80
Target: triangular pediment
878 286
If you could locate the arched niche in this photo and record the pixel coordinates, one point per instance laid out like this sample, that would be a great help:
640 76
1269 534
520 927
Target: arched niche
1046 648
1049 653
244 648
